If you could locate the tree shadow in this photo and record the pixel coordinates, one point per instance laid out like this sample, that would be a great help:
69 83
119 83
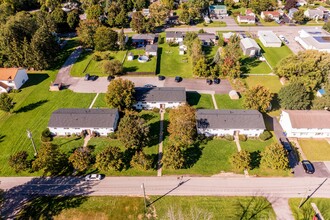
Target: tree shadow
191 155
75 139
269 122
35 79
255 208
2 137
159 58
44 197
127 157
255 159
130 69
275 102
30 106
248 63
148 116
193 98
154 133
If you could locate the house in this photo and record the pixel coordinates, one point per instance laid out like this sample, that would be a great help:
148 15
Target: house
182 48
174 36
314 39
314 14
159 97
76 120
274 15
173 19
320 93
291 12
269 39
306 123
247 19
207 39
323 9
229 122
218 10
140 40
151 50
12 78
226 36
249 12
250 47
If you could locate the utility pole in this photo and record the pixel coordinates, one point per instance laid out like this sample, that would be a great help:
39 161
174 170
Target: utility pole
29 134
144 197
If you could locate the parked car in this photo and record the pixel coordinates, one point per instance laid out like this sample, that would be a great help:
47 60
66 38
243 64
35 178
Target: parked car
149 86
178 79
216 80
93 77
308 166
87 77
110 78
161 77
286 144
93 177
208 81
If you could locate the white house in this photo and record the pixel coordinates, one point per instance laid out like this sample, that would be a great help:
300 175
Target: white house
75 120
159 97
269 39
314 39
306 123
247 19
182 48
250 47
12 78
174 36
216 10
275 15
229 122
151 49
207 39
314 14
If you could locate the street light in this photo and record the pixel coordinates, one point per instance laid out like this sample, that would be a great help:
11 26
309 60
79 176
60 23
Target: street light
144 196
29 134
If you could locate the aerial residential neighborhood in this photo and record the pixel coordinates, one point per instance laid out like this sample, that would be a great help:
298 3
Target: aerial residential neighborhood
159 109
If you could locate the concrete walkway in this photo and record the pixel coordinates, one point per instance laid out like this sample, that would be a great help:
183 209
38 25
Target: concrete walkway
282 209
97 95
160 148
86 139
214 101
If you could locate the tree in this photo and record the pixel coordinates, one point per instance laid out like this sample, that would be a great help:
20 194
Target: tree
241 160
262 5
60 18
94 12
121 40
196 51
294 96
184 16
274 157
173 157
6 102
19 161
133 131
120 94
231 68
138 22
86 32
141 161
140 4
290 4
112 67
258 98
182 127
121 18
73 19
46 136
51 4
81 159
105 39
326 26
201 68
158 12
299 17
229 3
51 160
109 159
324 101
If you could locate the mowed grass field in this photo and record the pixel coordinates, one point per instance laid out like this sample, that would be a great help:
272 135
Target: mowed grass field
224 102
306 211
123 207
270 82
200 101
315 150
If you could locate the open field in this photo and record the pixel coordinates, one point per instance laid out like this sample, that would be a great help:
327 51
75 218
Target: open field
200 101
254 66
270 82
224 102
306 211
212 24
315 150
123 207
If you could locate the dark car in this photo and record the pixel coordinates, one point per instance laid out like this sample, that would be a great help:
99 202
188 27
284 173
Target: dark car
178 79
161 77
216 80
286 144
308 166
93 77
208 81
110 78
87 76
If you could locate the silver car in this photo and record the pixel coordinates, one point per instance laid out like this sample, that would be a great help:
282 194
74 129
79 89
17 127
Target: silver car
93 177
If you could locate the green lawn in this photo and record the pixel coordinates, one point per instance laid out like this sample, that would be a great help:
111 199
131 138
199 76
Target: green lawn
270 82
315 150
212 24
274 54
200 101
306 211
100 101
254 66
256 147
87 64
209 159
224 102
123 207
172 63
136 66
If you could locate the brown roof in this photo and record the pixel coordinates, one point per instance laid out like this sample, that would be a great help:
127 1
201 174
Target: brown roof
274 13
3 85
8 73
309 118
247 17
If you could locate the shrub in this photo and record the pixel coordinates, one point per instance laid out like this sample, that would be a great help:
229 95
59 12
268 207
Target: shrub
112 135
172 44
97 56
265 135
242 137
46 136
141 161
229 137
156 110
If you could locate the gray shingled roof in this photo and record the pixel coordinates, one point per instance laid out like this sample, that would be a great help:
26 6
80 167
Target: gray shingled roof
230 119
143 37
83 118
152 48
174 34
206 36
161 94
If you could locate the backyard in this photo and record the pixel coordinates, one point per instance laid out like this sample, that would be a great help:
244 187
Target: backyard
200 101
224 102
309 147
252 65
270 82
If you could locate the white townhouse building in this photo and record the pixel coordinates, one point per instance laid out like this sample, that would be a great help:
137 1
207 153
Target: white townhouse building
174 36
12 78
269 39
159 97
306 123
314 39
230 122
75 120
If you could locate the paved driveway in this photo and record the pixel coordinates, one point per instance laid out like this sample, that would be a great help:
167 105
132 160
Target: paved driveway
320 170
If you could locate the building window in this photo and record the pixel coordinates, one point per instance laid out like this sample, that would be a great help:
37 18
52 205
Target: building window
170 102
66 128
9 81
144 102
77 128
153 102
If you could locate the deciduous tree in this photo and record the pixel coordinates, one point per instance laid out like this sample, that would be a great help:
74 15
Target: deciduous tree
201 68
120 94
73 19
294 96
258 98
241 160
290 4
6 102
19 161
81 159
158 12
141 161
299 17
173 157
105 39
109 159
86 32
138 22
112 67
274 157
94 12
196 51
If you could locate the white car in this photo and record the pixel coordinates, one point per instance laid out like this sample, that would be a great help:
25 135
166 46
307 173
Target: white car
93 177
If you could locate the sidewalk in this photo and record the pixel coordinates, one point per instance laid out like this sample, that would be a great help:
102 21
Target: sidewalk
282 209
160 148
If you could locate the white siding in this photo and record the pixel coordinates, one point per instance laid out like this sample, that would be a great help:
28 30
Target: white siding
70 131
151 105
222 132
